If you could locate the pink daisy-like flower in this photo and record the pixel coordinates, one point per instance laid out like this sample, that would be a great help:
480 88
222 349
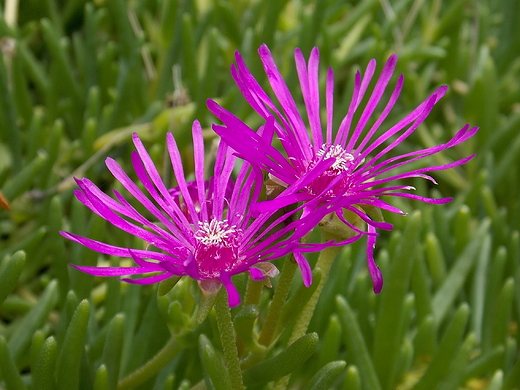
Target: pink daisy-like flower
204 229
351 165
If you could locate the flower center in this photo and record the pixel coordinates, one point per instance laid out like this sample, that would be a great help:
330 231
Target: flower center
343 161
217 247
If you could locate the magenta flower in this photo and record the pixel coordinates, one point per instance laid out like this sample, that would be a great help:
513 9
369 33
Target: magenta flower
203 229
349 166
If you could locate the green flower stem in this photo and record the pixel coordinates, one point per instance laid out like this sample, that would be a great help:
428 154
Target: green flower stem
279 298
325 260
228 339
152 367
253 292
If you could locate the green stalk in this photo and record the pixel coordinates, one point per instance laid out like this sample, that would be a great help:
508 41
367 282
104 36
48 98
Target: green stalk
279 298
325 260
228 339
324 263
152 367
253 292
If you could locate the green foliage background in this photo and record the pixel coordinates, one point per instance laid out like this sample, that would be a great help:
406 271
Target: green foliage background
78 77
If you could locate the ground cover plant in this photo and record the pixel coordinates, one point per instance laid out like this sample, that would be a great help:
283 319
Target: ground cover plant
84 81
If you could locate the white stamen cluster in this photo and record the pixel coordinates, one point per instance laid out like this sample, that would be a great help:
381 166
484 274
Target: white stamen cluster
343 159
215 233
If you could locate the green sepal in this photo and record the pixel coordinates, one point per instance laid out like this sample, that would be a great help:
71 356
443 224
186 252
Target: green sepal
284 363
43 371
334 228
373 212
215 373
67 370
209 291
165 286
10 270
324 379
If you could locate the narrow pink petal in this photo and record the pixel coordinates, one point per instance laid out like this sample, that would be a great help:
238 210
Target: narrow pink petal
418 172
178 170
421 198
347 201
116 220
314 95
148 280
150 168
145 222
198 156
417 116
375 273
461 136
224 164
140 262
310 90
113 271
233 296
329 102
364 217
344 127
258 149
339 214
312 247
373 101
239 203
256 274
285 98
122 252
134 190
305 268
357 96
384 114
251 89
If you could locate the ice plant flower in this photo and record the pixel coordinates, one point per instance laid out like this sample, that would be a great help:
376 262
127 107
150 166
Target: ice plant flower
350 165
203 229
